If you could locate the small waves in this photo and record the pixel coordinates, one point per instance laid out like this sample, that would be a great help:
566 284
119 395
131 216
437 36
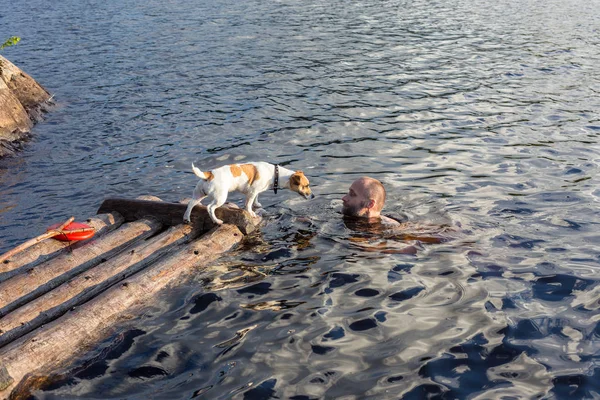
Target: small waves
479 118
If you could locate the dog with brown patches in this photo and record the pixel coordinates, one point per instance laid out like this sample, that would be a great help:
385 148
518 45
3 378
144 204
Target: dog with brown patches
250 179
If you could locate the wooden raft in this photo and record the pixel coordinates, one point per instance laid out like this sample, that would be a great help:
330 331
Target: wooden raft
58 299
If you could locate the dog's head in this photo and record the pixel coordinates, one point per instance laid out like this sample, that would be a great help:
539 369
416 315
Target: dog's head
299 184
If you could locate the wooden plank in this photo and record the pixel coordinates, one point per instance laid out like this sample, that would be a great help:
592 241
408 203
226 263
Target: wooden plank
44 350
87 285
23 288
171 214
43 251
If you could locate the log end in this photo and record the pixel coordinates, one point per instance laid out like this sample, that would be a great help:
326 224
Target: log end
29 384
234 216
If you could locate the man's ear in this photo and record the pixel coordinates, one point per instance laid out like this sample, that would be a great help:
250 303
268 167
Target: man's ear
371 204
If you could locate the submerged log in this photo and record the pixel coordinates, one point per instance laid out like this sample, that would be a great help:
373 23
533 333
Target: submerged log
50 347
40 252
89 284
171 214
23 288
22 101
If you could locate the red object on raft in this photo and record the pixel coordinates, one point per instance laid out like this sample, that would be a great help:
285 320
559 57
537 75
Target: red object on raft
71 236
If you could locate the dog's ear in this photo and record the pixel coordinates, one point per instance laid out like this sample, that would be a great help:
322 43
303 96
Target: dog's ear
295 178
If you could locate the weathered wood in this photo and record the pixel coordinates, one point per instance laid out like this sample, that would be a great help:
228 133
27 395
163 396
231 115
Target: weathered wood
94 281
23 288
51 346
47 235
43 251
171 214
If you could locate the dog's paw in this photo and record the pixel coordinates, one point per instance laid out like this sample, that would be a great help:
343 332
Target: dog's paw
257 205
219 222
187 221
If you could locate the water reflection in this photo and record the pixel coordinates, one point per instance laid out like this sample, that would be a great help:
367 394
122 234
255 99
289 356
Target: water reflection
479 118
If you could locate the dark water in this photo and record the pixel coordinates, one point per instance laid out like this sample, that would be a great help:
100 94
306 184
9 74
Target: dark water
473 113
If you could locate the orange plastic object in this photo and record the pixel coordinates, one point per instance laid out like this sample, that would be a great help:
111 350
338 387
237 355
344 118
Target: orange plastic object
70 236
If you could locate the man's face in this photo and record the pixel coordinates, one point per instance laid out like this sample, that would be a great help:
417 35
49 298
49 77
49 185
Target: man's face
356 202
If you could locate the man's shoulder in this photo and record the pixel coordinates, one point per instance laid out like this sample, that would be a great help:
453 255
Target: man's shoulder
396 216
389 221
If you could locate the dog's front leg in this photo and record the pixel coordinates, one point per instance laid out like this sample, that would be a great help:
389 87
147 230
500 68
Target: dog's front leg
250 199
256 203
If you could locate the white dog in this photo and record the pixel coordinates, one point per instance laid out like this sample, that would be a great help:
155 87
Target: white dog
250 179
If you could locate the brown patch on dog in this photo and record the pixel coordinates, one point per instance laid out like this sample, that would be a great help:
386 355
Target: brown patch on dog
209 176
235 170
251 172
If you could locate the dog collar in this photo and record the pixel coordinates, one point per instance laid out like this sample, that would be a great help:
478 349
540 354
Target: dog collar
276 179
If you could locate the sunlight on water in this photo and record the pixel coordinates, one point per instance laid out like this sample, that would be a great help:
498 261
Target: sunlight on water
481 119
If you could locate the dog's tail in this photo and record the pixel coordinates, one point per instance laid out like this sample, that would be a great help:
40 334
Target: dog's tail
207 176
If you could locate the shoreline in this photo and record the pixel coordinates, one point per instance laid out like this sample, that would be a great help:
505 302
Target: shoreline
23 101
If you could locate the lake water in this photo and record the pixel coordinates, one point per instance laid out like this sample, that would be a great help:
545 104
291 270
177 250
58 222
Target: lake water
482 116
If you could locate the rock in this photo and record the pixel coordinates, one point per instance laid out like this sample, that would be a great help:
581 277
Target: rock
22 102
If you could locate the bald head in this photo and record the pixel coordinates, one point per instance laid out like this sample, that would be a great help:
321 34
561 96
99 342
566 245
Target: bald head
365 198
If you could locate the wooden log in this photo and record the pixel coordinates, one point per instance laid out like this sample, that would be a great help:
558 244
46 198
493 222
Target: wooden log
102 224
43 251
23 288
47 235
87 285
46 349
171 214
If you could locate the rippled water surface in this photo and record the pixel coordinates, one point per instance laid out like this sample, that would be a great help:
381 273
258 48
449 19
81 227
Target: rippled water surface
481 118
